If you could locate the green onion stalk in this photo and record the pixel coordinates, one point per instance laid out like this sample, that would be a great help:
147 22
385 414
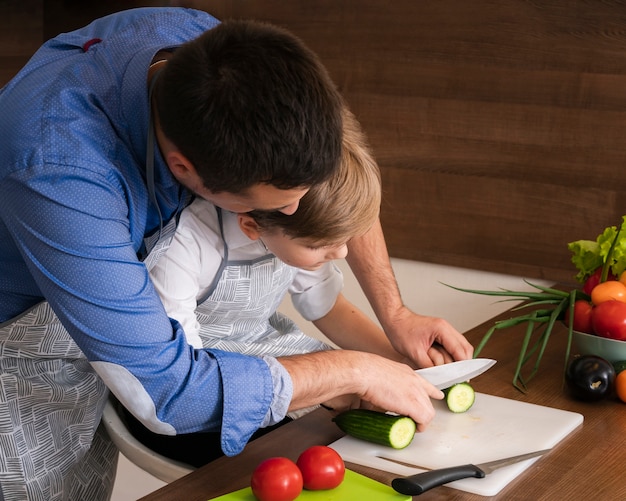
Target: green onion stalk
542 308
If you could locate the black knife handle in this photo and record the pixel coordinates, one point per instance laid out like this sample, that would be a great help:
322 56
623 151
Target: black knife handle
421 482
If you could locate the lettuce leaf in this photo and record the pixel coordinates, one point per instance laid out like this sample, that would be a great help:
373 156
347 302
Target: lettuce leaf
588 255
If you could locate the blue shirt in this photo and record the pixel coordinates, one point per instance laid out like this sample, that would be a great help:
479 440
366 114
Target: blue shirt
74 212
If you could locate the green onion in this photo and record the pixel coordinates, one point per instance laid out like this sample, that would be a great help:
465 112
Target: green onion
540 322
549 305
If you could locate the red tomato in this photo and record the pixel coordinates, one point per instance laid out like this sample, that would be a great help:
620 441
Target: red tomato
594 279
321 467
582 316
622 277
276 479
609 320
608 291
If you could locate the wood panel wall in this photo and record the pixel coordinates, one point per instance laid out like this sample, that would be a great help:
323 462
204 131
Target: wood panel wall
499 125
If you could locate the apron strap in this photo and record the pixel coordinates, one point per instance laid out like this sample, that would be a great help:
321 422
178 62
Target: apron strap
224 262
150 156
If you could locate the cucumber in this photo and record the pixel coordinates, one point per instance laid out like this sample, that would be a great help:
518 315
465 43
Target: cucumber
377 427
460 397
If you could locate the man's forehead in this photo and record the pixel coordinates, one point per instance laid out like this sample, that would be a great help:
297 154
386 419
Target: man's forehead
268 197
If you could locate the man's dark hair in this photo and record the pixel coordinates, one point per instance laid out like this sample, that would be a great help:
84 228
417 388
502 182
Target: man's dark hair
248 103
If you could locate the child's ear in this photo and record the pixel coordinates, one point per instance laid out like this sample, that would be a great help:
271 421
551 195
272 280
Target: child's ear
249 226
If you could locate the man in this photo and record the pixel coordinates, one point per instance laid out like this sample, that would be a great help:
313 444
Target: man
107 132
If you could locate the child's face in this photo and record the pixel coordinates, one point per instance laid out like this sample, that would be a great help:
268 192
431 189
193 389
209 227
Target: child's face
301 253
298 252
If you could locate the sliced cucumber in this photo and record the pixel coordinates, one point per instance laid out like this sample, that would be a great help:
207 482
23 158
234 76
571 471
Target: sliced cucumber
377 427
460 397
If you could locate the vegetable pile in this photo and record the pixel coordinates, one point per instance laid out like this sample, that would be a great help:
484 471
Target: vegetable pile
602 271
598 307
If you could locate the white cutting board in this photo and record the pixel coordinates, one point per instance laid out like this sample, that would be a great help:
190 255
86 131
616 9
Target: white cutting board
493 428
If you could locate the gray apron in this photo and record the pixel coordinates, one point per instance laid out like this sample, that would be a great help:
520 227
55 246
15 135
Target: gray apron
238 312
52 446
51 402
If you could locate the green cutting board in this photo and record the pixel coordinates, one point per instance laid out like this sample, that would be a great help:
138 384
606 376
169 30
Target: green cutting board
355 487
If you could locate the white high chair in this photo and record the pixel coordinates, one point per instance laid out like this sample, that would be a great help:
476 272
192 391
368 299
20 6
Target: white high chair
161 467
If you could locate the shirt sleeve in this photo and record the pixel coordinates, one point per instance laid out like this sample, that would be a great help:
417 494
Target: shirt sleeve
74 201
314 293
283 392
84 262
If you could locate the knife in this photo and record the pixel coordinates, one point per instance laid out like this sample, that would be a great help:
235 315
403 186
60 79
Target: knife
444 376
421 482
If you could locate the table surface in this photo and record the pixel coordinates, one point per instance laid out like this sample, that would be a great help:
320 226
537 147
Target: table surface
588 464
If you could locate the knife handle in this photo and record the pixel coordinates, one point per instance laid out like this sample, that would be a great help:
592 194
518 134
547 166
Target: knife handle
421 482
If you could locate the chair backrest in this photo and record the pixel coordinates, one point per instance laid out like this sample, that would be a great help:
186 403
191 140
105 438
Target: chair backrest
155 464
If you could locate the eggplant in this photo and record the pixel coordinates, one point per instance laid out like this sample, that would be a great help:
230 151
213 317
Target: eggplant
590 378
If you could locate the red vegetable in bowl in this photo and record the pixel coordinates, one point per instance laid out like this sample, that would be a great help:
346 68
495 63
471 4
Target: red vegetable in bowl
592 281
582 317
609 320
611 290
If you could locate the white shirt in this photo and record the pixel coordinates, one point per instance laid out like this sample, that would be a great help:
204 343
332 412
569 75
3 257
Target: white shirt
184 273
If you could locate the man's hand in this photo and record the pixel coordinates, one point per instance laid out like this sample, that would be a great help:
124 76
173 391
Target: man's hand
427 341
382 383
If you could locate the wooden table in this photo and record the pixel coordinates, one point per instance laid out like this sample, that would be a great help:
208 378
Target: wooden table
588 464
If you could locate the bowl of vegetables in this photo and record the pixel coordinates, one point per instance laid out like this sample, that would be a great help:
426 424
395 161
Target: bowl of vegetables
611 350
594 313
599 320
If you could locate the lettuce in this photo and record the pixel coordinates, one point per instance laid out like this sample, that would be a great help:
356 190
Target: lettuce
586 257
589 255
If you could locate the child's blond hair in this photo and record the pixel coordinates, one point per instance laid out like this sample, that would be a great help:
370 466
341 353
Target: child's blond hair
343 207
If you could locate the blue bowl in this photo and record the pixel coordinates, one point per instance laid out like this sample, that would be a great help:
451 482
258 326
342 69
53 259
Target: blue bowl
588 344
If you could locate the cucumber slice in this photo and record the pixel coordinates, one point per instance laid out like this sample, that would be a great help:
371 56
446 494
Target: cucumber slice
460 397
377 427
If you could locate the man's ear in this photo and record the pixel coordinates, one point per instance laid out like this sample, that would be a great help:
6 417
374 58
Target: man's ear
249 226
182 169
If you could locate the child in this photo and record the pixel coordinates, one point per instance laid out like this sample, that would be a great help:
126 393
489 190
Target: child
224 274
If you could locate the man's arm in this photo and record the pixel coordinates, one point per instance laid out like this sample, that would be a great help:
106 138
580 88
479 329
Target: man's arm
383 383
425 340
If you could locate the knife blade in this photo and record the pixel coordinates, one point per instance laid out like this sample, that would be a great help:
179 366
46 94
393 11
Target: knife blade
444 376
421 482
